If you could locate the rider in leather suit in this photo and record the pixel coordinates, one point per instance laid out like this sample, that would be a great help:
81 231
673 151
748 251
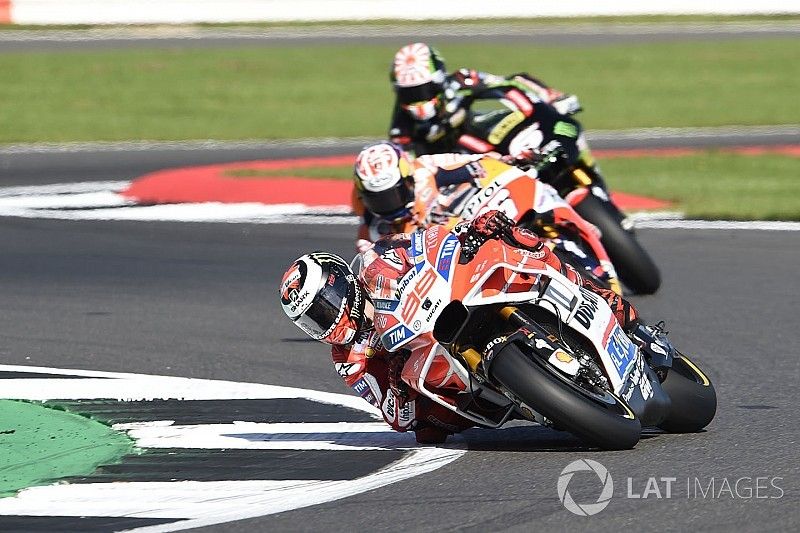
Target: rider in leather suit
327 300
431 110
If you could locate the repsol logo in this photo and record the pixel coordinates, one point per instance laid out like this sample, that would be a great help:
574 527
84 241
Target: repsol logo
587 308
477 201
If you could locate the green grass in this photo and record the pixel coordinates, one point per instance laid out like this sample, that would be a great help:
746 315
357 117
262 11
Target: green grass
714 185
338 172
343 90
707 185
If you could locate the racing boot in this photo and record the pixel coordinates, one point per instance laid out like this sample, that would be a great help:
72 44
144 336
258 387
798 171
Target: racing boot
656 348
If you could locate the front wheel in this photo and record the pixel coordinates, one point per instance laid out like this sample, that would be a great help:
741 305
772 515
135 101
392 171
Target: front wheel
603 420
694 400
634 266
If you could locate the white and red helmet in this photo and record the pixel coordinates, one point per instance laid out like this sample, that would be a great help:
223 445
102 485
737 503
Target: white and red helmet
384 178
323 297
418 75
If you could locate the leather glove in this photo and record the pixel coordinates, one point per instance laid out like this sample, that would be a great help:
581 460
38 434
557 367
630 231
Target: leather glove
567 104
492 225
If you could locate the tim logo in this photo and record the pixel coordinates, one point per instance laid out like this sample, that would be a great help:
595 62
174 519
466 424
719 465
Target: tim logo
446 256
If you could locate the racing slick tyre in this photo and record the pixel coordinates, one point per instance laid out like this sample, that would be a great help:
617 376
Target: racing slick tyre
694 401
599 419
634 265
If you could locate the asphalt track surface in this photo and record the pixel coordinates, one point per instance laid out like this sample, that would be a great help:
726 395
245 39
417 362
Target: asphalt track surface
200 300
579 33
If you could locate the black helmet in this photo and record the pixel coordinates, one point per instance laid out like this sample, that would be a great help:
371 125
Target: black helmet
324 298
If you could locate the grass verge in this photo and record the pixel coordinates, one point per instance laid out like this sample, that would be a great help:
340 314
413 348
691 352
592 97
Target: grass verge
343 90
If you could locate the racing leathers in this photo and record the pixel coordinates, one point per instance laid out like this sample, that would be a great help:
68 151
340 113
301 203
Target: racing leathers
386 379
483 113
445 184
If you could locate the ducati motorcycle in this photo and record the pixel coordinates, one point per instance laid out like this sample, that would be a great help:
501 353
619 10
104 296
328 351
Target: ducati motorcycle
495 334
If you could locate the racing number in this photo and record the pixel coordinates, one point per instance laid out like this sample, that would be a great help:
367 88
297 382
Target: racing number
414 299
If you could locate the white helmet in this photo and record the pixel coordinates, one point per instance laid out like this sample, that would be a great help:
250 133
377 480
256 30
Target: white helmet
323 297
384 178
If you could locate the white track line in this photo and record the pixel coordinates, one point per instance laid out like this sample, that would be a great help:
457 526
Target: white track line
213 502
101 201
327 142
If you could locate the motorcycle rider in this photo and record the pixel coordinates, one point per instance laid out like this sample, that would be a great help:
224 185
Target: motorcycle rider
388 183
327 300
431 109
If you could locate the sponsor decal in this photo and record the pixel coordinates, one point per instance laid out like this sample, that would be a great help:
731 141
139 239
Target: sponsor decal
360 386
638 377
347 369
621 350
386 305
392 338
563 299
404 283
417 325
520 101
488 352
528 139
587 308
431 237
474 144
565 128
445 258
429 316
541 343
381 320
392 258
292 281
534 254
563 356
503 127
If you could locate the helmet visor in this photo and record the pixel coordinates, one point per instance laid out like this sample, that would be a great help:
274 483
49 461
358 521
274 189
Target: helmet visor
328 307
391 200
422 110
419 93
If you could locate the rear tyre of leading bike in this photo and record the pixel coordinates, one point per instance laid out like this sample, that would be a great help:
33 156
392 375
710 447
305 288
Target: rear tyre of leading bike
603 421
694 400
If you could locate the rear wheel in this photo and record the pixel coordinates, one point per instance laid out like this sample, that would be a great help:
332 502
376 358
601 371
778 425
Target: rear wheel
694 401
597 417
634 265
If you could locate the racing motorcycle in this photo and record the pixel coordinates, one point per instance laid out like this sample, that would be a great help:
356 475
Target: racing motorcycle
523 198
517 340
504 129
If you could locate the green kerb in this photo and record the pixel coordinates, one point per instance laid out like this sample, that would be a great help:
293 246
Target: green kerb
41 445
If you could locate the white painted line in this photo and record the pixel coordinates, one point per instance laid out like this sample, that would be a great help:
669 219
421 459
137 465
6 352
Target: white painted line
755 225
779 130
263 436
205 503
101 201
